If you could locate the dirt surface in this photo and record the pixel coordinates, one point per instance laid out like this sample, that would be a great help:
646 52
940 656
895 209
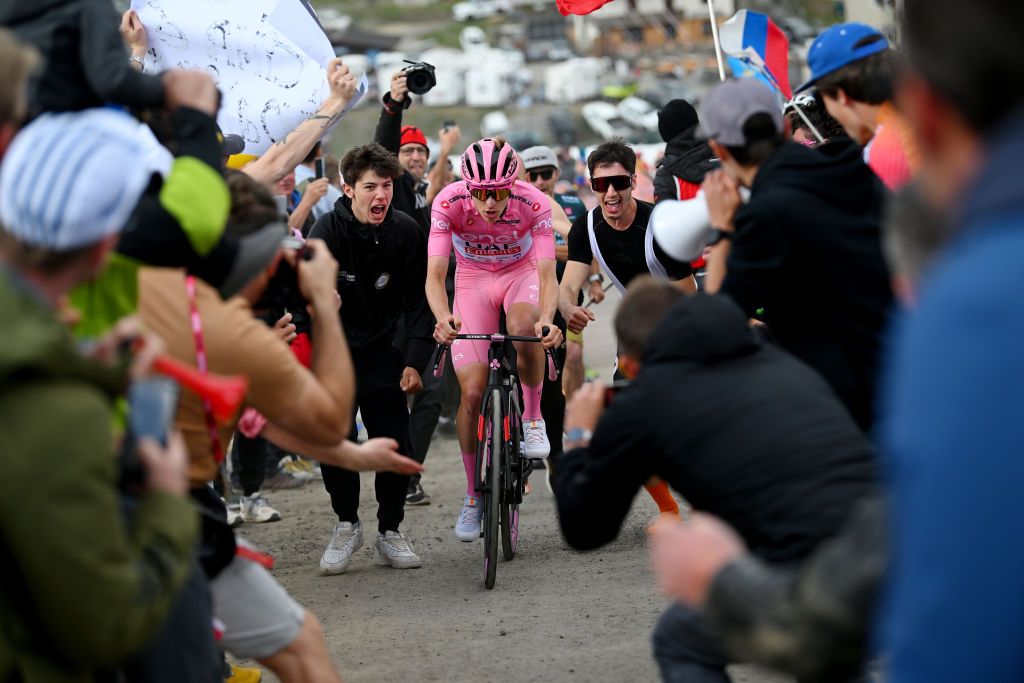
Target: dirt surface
554 614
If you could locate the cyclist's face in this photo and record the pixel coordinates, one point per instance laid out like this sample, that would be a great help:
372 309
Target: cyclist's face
413 158
371 196
491 209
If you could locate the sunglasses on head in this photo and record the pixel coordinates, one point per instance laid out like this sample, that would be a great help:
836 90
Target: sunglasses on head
544 175
619 182
498 194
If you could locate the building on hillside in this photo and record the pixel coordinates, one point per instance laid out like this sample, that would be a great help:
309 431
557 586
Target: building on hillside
640 26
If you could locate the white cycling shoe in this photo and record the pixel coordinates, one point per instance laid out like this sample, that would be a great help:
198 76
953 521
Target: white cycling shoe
467 529
535 440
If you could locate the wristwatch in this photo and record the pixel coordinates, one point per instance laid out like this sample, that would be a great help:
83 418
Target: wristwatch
719 236
596 277
138 60
577 436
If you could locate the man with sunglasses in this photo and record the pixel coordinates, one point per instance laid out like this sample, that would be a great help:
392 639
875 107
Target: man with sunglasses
542 172
615 234
505 260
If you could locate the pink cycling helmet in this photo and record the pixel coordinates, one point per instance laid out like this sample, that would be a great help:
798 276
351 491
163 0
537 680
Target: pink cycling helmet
489 164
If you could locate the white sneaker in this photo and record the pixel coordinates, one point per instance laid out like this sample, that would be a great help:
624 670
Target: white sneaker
393 550
255 509
535 440
468 527
234 515
345 541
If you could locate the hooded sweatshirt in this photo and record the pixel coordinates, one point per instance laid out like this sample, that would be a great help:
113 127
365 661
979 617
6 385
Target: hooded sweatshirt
80 589
764 444
687 160
382 272
807 250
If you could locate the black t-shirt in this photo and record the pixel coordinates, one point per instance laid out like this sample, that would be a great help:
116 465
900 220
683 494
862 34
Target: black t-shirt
623 250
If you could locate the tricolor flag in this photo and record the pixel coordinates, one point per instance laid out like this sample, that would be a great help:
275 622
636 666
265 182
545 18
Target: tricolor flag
754 44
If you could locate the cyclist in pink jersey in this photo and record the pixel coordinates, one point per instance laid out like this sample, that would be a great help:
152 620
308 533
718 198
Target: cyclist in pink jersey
505 259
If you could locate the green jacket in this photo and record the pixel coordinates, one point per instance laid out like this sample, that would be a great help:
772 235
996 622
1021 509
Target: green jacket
79 590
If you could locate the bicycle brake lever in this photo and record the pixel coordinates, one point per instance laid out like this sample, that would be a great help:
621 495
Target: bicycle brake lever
552 370
439 359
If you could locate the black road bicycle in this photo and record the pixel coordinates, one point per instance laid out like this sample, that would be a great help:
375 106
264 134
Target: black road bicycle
501 465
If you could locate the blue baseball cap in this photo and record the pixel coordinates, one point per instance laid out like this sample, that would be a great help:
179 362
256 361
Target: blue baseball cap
838 46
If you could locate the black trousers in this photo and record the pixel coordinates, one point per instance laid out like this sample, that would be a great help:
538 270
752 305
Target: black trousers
552 404
686 651
426 408
252 460
385 412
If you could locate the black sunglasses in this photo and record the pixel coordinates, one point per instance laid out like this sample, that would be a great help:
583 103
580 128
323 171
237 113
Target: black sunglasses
544 175
619 182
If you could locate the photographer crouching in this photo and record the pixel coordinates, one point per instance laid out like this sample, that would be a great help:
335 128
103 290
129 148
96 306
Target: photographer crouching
764 444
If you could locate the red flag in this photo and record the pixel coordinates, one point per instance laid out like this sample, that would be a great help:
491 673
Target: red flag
581 7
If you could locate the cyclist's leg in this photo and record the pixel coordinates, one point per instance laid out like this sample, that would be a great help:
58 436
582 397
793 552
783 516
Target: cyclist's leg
477 307
522 311
472 382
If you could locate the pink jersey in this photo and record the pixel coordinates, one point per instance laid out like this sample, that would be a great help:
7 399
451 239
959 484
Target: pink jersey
523 233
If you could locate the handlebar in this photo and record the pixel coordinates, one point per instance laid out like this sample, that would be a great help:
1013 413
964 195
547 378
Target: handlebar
439 353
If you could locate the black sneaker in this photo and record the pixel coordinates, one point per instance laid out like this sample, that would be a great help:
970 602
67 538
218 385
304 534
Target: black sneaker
416 495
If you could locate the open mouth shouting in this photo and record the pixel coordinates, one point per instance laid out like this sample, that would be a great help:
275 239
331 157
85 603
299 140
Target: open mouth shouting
613 205
378 211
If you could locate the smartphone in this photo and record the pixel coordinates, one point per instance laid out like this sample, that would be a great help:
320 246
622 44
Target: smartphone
320 173
449 124
152 406
613 388
716 163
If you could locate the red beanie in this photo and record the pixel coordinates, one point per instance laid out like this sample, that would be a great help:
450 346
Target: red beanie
411 135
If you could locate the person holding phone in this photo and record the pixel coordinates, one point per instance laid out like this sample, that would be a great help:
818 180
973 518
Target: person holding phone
311 180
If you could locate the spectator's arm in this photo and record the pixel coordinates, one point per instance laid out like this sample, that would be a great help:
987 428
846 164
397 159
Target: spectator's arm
389 126
288 152
595 484
105 60
112 588
448 139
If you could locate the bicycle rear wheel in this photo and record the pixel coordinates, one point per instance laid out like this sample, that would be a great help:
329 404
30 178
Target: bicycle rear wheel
492 490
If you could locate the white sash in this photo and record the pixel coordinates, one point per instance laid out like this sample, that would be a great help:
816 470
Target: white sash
653 265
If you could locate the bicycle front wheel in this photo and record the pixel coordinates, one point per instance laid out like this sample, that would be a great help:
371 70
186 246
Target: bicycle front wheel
492 490
514 467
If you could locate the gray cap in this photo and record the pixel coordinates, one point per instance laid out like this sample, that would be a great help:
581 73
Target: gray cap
254 252
539 157
727 107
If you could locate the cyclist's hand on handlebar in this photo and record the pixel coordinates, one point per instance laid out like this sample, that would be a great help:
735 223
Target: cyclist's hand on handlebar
578 318
445 330
551 340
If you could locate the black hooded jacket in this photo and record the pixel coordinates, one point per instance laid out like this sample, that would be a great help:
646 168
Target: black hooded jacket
382 272
808 250
764 444
85 61
685 158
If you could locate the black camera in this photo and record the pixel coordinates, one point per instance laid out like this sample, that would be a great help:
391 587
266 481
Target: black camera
419 76
282 293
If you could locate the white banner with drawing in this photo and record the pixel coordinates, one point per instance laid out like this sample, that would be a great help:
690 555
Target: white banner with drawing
269 58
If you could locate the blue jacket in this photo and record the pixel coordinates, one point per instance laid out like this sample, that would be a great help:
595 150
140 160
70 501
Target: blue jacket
954 409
